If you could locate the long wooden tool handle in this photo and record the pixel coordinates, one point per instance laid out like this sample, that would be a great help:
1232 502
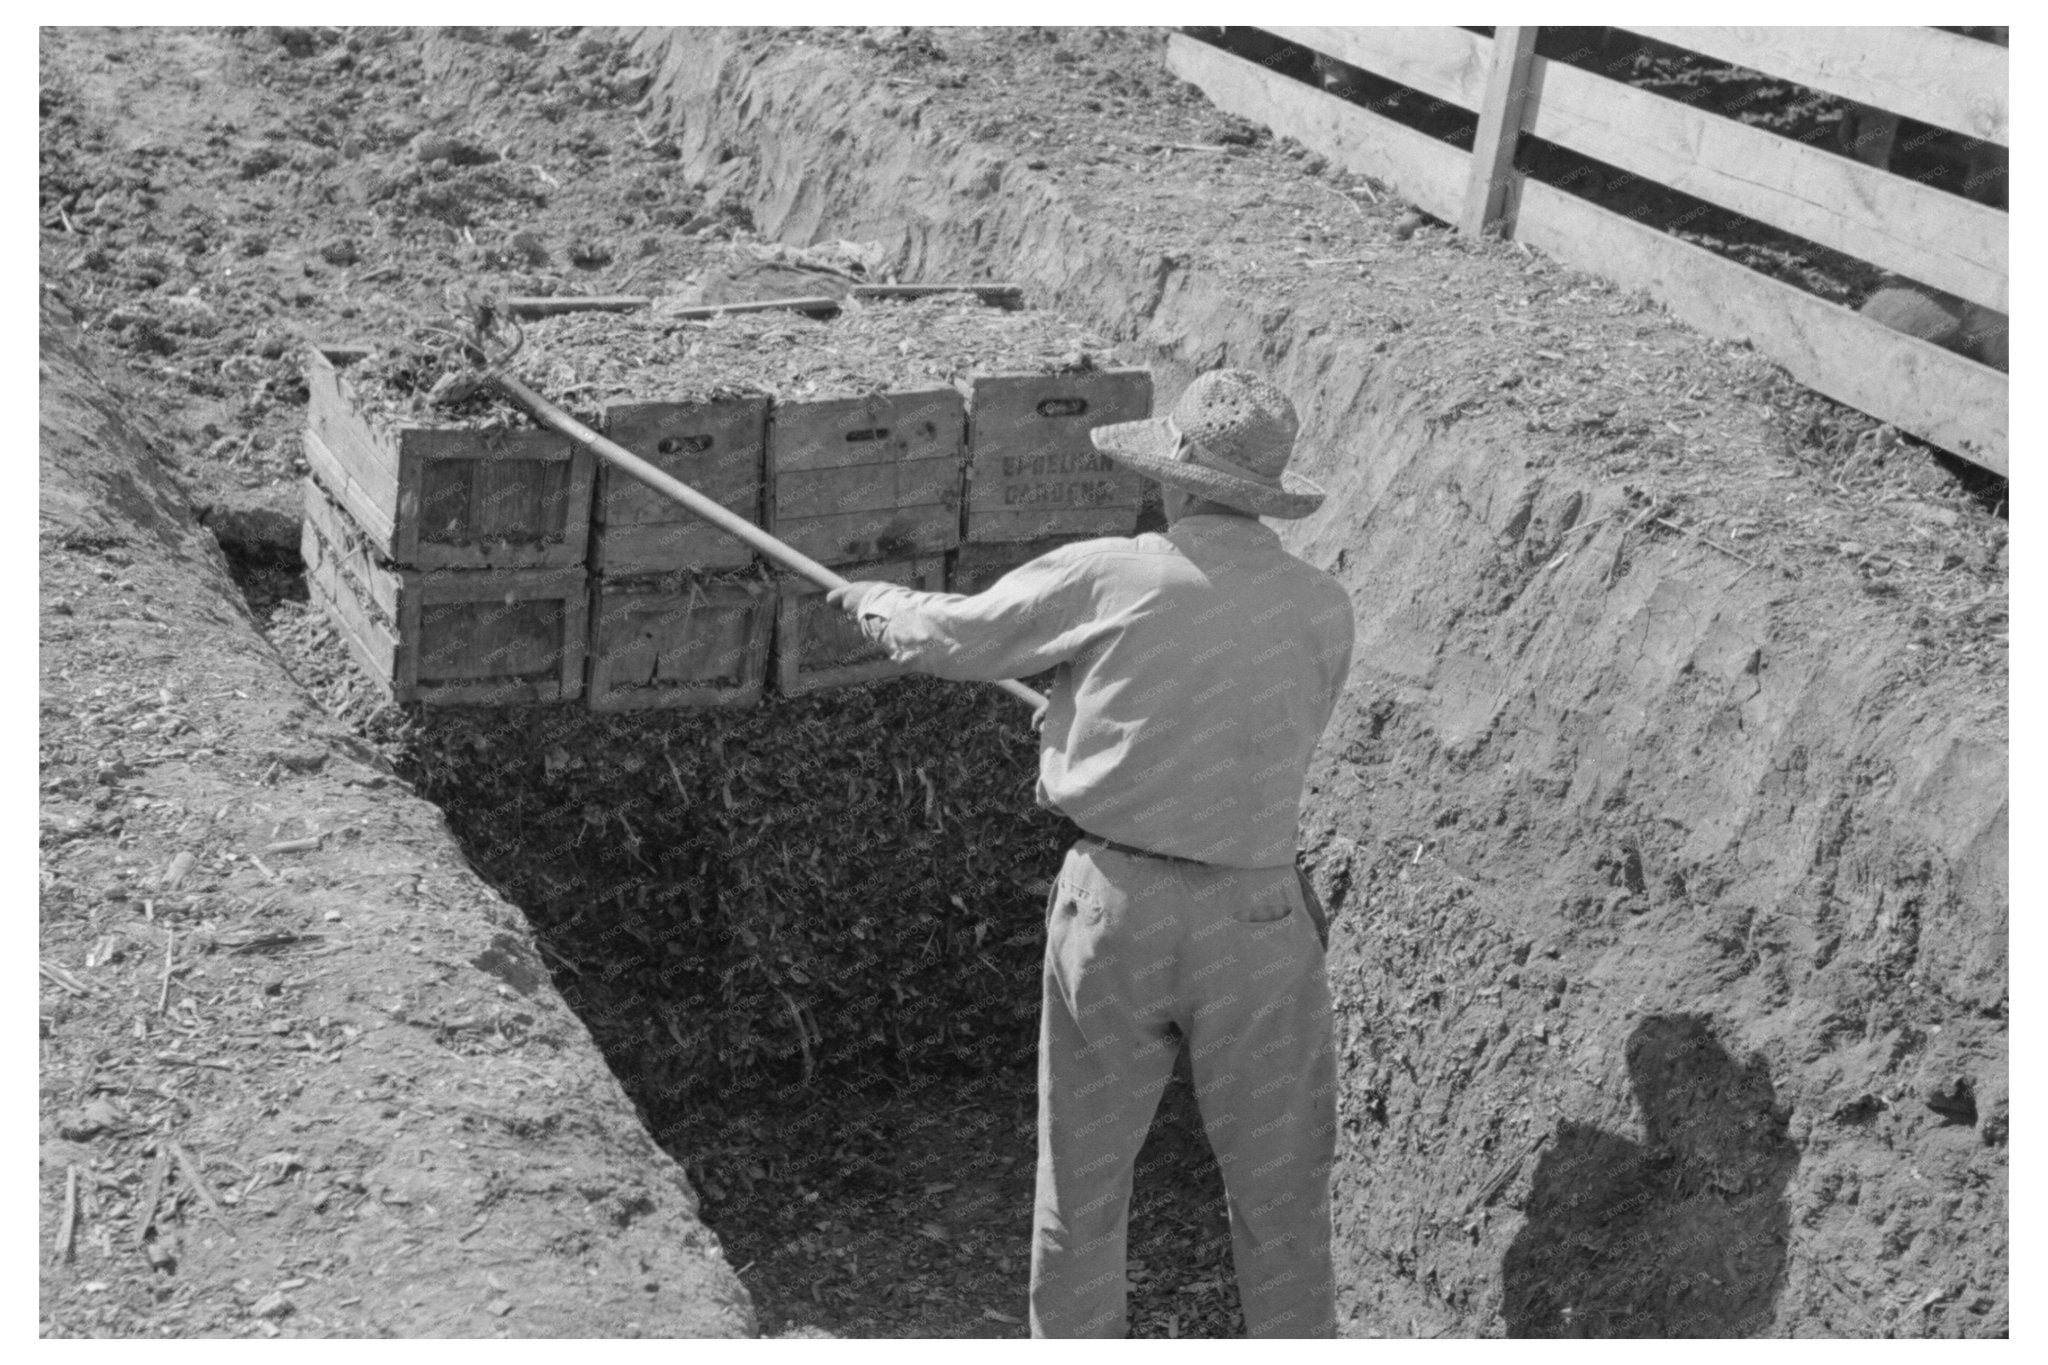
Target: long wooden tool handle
723 518
555 304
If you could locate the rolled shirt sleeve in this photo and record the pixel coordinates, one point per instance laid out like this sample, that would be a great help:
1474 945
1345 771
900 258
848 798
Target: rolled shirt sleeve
1031 619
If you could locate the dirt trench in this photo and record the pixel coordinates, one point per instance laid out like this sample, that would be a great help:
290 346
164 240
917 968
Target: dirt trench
305 1074
1666 827
1664 821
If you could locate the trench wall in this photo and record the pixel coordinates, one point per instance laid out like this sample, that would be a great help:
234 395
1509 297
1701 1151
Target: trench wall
472 1145
1656 876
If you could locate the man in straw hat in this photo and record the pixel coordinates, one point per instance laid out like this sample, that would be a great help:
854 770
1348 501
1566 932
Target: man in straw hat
1196 670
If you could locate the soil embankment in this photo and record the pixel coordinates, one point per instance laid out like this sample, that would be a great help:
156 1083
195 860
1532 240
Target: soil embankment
307 1075
1666 817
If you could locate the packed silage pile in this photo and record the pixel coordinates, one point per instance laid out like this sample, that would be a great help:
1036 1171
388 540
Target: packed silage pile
585 360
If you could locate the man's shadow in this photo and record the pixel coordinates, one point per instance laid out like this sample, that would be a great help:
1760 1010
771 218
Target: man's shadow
1680 1235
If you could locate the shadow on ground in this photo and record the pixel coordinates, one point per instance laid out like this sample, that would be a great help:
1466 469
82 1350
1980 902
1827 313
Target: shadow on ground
1680 1235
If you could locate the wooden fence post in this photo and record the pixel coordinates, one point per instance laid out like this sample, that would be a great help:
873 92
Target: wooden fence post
1500 124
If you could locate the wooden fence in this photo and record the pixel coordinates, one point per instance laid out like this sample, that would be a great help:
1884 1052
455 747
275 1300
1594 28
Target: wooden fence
1929 236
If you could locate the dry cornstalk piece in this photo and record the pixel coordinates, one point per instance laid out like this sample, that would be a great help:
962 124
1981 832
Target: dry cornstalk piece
565 963
163 995
1583 526
1642 518
152 1194
1491 1190
1710 544
68 1225
63 978
1356 207
197 1179
308 844
264 942
180 866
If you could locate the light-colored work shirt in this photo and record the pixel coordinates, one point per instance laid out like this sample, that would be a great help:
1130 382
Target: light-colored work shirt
1196 670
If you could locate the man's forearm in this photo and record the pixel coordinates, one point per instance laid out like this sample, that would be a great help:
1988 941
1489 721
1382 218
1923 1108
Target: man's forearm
968 639
914 627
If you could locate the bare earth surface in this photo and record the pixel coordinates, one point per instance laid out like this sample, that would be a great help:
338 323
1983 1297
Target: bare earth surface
302 1072
1665 821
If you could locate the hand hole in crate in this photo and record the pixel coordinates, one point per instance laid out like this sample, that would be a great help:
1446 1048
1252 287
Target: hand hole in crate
869 434
1063 407
683 445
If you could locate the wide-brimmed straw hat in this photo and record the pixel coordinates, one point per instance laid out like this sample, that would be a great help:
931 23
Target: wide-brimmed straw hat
1229 438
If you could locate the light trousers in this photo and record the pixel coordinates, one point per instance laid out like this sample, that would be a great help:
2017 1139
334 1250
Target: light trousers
1230 957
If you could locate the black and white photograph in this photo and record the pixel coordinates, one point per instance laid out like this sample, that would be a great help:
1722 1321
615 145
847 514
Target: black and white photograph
847 682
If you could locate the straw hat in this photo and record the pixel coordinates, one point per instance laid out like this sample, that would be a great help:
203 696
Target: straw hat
1229 439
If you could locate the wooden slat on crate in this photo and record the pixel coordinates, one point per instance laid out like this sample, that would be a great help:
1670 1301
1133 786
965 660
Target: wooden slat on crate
450 497
495 638
361 469
1032 470
976 565
374 514
353 555
447 636
1940 397
818 646
366 627
718 448
870 488
1940 78
852 536
374 647
332 411
1430 174
517 499
867 478
679 640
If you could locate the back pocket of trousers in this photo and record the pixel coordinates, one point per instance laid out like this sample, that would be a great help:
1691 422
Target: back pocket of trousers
1274 901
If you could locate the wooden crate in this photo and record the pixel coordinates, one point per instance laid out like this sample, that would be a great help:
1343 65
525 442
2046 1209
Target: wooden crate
976 564
448 498
679 640
869 478
496 637
819 646
1031 470
718 448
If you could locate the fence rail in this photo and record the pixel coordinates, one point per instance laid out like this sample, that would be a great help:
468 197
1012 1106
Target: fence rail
1922 73
1952 244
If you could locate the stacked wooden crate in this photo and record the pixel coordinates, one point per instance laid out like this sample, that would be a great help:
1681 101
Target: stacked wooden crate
869 486
932 444
875 423
451 558
1035 480
680 614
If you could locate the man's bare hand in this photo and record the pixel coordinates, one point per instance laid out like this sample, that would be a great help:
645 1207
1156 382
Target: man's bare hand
849 598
